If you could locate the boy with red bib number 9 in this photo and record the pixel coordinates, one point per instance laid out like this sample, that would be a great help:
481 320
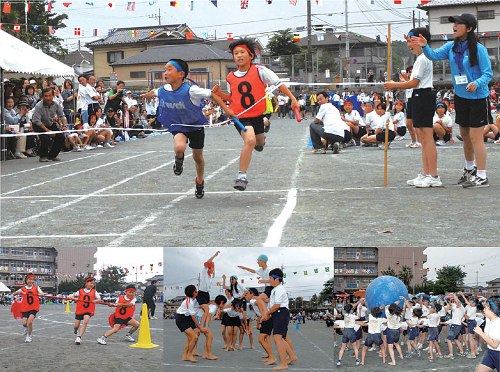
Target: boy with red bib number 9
247 98
123 316
85 307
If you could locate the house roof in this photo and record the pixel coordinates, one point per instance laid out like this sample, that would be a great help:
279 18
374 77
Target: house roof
494 281
454 3
187 52
336 39
77 57
124 35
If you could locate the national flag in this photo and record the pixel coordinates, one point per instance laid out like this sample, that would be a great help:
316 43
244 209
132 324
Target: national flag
284 276
35 27
214 3
151 33
244 4
189 35
174 3
269 1
126 271
140 268
484 34
52 31
89 3
133 33
327 269
444 36
6 8
305 272
316 271
319 2
423 2
230 36
95 32
189 5
131 6
27 8
77 31
320 37
397 2
48 6
296 38
111 5
66 4
293 2
17 27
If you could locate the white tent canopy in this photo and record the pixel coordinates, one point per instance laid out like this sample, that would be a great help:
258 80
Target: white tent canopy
17 56
3 288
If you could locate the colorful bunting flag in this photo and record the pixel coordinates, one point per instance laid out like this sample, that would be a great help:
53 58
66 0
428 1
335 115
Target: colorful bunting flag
89 3
151 33
17 27
293 2
133 33
269 1
319 2
95 32
296 38
189 5
151 3
174 3
305 272
244 4
316 271
6 8
77 31
230 36
397 2
48 6
444 36
27 7
425 2
189 35
160 264
66 4
499 35
131 6
484 34
214 2
52 31
111 5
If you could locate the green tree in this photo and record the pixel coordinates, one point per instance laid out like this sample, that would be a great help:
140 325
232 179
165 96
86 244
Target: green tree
327 291
427 286
72 285
281 44
314 301
450 279
112 279
328 61
389 271
406 275
39 20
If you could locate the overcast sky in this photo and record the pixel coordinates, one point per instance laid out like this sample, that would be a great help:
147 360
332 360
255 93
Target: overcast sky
182 266
486 261
259 19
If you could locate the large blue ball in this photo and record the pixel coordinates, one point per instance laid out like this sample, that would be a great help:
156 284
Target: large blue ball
384 291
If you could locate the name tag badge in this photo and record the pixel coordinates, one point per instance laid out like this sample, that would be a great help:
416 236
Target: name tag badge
461 79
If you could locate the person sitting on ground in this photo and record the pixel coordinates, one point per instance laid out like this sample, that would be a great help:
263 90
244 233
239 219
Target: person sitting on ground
442 125
381 120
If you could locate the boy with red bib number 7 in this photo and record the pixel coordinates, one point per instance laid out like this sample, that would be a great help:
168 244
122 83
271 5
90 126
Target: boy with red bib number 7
247 98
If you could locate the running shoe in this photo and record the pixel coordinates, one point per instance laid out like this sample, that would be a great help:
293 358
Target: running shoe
240 184
55 159
449 356
476 182
440 143
28 339
428 181
77 148
319 151
78 340
466 175
43 159
414 145
129 338
108 145
259 148
178 164
101 340
199 189
339 363
88 147
479 349
336 148
99 146
471 356
358 362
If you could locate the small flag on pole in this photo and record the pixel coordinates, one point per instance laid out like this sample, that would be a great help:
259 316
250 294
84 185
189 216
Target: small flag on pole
296 38
77 31
423 2
131 6
484 34
244 4
397 2
6 8
189 35
111 5
133 33
95 32
293 2
27 7
17 27
48 6
174 3
67 4
151 33
230 36
214 3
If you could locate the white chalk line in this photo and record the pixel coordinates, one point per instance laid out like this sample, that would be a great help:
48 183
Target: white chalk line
275 232
104 325
78 200
53 164
66 236
244 368
74 173
316 346
146 222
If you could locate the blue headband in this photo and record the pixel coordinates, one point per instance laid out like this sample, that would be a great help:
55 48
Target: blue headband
493 307
371 103
410 34
176 65
262 257
234 277
276 277
440 104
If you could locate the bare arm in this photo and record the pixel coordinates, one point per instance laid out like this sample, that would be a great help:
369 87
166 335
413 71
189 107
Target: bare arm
247 269
212 258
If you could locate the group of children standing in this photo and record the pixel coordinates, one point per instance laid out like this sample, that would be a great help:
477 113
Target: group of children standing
237 310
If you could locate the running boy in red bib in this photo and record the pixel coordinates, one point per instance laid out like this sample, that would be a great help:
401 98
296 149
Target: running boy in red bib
85 307
30 304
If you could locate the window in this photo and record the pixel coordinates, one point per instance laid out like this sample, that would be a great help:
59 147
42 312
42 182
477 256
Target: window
31 267
368 254
115 56
4 251
444 20
486 14
17 252
137 74
4 265
45 268
29 252
351 254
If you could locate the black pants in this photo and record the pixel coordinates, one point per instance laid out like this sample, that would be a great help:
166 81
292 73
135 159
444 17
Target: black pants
149 301
316 131
49 146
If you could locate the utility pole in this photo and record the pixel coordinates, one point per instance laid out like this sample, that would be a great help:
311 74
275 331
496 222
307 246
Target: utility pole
413 17
156 16
347 52
309 63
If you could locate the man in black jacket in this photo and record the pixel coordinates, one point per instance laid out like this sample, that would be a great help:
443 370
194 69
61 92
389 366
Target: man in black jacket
148 299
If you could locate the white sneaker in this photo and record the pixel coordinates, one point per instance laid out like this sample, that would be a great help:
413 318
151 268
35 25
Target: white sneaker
419 345
426 349
419 178
373 348
129 338
153 317
108 146
28 339
479 349
88 147
399 138
101 340
99 146
429 181
78 340
77 148
440 143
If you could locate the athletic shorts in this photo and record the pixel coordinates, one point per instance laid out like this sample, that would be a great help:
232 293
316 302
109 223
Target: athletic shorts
471 324
433 334
184 322
80 316
409 111
453 332
392 336
26 314
423 104
347 136
266 327
492 359
268 291
196 138
359 334
349 335
122 321
225 319
361 132
381 136
413 333
281 318
401 131
471 113
463 330
446 137
257 123
373 338
424 330
203 298
234 321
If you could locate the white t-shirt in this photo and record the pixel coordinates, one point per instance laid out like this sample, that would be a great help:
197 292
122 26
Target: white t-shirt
84 94
362 311
263 273
371 120
433 319
278 296
422 71
241 290
412 322
92 93
205 281
77 293
233 313
393 321
374 324
457 314
354 115
188 307
401 117
446 119
196 94
332 122
350 320
425 311
255 307
380 121
492 329
471 312
212 309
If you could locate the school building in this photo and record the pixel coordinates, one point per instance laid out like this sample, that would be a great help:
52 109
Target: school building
356 267
493 287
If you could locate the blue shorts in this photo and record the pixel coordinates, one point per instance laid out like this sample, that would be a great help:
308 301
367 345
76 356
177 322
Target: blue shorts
414 332
373 338
471 324
453 332
392 336
433 334
281 318
492 359
463 330
349 335
359 334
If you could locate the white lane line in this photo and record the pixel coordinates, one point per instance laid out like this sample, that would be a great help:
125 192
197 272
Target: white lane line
76 201
75 236
51 165
243 368
327 354
75 173
153 216
276 231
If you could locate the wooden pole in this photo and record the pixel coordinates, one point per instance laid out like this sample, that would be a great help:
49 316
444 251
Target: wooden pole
386 139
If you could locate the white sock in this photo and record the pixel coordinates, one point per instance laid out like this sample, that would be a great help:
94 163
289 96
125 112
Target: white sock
481 174
242 175
469 165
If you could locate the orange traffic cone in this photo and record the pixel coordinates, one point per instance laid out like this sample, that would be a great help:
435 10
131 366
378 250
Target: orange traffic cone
68 310
144 339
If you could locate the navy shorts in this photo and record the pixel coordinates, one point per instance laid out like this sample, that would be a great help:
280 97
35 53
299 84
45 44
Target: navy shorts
401 131
349 335
392 336
359 334
225 320
80 316
257 123
433 334
266 327
281 318
122 321
453 332
409 111
184 322
196 138
423 102
414 332
492 359
463 330
381 136
471 324
26 314
268 291
203 298
471 113
373 338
